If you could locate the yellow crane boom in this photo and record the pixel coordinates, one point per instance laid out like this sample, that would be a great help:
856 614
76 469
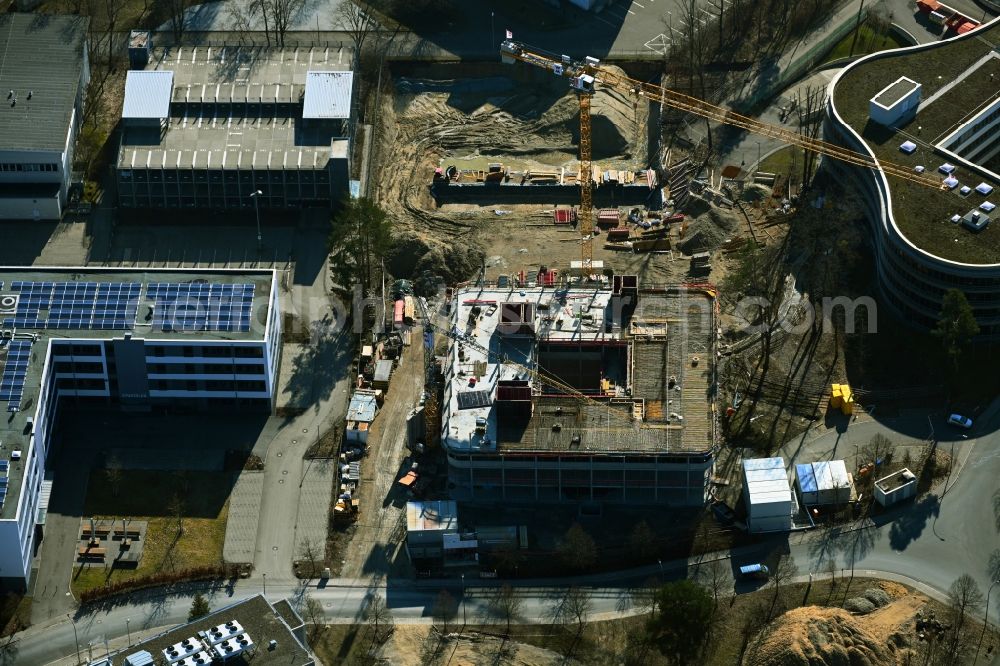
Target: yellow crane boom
590 71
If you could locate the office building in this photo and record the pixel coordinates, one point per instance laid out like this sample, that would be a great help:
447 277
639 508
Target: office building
208 127
44 71
136 339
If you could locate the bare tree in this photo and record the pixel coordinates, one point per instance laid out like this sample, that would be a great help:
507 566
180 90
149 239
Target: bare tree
358 24
578 548
312 608
307 548
642 541
113 474
784 570
379 618
964 596
713 575
811 106
178 20
576 608
278 16
444 609
176 507
506 604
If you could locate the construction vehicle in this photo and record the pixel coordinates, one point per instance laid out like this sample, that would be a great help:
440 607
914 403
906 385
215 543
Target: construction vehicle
584 75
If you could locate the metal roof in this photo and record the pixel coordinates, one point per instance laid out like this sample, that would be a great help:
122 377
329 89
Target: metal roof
147 94
435 515
766 481
823 475
40 54
362 408
328 95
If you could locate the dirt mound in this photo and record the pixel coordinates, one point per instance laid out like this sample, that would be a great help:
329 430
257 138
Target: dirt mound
416 255
709 230
814 636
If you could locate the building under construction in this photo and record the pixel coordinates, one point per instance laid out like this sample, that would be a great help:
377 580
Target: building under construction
580 393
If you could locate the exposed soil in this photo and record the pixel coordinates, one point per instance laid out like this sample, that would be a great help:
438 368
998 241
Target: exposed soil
426 123
817 636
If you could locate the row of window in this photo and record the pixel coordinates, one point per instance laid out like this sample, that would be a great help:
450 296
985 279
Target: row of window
206 351
205 369
247 386
13 166
661 458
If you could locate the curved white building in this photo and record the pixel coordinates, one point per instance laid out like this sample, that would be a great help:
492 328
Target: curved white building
934 108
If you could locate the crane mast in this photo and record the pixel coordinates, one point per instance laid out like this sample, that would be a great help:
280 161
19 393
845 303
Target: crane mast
591 71
585 222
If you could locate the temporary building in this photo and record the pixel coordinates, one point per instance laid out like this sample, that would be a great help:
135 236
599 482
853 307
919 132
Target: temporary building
825 482
767 495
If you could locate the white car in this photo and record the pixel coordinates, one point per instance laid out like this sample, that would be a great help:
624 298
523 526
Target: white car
960 421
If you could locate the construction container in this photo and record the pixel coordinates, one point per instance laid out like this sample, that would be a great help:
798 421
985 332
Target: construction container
398 311
564 215
896 487
836 397
618 234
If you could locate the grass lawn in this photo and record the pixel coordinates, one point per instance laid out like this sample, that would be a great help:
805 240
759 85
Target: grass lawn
785 161
147 495
868 42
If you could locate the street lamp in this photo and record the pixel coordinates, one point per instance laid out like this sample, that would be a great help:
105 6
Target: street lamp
128 631
986 621
76 637
464 619
758 155
265 584
256 209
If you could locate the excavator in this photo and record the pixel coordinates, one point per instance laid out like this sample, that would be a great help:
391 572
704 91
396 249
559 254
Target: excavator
584 75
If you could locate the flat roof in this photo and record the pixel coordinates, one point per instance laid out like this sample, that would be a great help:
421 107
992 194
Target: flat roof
362 407
956 79
578 316
328 95
258 619
894 92
147 94
823 475
238 107
108 297
41 54
438 515
766 481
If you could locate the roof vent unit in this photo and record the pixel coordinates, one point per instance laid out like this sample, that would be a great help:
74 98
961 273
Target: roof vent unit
15 455
8 303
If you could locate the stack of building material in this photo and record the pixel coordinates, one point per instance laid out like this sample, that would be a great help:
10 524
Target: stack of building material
564 215
842 398
608 218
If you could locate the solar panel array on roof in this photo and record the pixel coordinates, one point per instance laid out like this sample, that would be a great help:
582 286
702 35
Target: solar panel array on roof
473 399
4 466
198 306
75 305
14 371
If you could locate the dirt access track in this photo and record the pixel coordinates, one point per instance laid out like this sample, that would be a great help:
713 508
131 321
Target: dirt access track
459 114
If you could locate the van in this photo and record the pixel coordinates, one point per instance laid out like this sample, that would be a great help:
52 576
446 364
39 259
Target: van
755 571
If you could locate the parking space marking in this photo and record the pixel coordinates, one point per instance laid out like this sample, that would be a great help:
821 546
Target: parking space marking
659 44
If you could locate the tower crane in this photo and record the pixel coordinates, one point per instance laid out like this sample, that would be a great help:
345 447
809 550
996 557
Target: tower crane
583 75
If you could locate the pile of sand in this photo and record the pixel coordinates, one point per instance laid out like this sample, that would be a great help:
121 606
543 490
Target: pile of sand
815 636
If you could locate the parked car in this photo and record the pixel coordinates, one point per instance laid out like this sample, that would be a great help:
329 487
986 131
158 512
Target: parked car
755 571
960 421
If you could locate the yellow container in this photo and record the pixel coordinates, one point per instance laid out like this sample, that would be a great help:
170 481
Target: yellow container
847 408
836 397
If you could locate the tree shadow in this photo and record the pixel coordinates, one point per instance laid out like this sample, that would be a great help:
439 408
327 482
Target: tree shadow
909 526
319 366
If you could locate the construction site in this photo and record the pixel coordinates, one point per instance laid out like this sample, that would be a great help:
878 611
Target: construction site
574 393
